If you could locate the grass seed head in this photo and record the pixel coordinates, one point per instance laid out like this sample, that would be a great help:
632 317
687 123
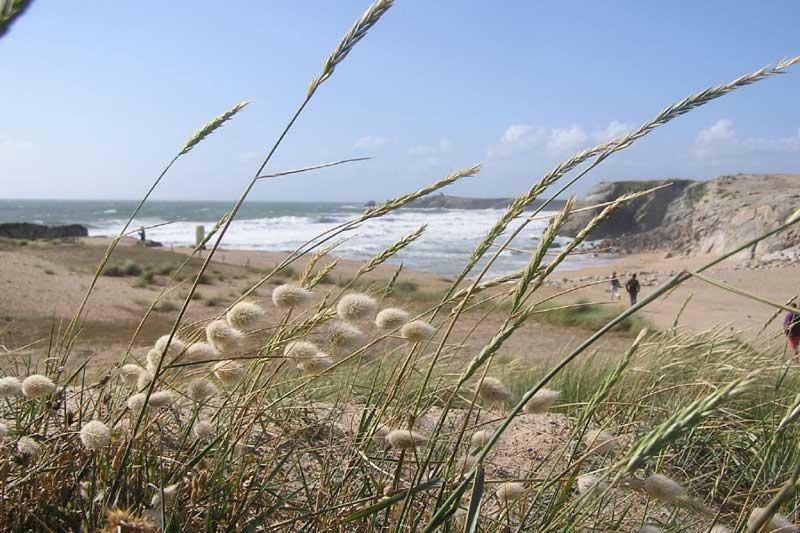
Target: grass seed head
481 437
316 363
125 520
778 523
344 336
509 491
356 307
169 494
601 441
493 391
3 431
129 374
95 435
176 346
244 315
229 372
136 401
417 331
588 484
391 318
203 430
404 439
719 528
543 400
380 433
161 398
200 390
10 386
290 296
28 447
223 337
201 351
300 350
37 385
660 487
650 528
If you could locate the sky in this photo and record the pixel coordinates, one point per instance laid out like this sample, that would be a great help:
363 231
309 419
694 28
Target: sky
96 96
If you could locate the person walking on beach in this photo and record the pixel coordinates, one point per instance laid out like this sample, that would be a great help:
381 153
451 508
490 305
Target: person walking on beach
632 287
142 238
791 326
615 287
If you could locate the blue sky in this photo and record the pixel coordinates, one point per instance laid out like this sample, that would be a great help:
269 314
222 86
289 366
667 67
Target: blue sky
97 96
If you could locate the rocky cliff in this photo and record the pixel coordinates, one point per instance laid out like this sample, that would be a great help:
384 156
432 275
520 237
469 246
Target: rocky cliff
700 217
445 201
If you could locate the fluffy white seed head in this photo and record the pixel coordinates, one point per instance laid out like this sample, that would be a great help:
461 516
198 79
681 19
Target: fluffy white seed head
601 441
176 346
3 431
95 435
223 337
391 318
201 351
480 438
200 390
161 398
244 315
417 331
381 431
300 349
509 491
289 296
153 358
588 484
778 523
37 385
203 430
543 400
10 386
404 439
719 528
315 364
660 487
129 374
493 391
135 402
28 447
228 372
356 307
344 336
169 495
145 377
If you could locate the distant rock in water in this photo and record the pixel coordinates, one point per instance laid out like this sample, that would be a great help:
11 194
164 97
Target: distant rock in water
698 217
32 232
443 201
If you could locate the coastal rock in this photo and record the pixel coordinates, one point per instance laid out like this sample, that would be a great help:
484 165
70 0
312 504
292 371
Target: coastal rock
32 232
700 217
444 201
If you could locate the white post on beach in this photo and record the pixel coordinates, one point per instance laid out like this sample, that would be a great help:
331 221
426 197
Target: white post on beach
199 234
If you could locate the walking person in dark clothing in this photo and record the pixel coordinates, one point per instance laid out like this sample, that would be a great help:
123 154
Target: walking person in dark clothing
632 287
791 326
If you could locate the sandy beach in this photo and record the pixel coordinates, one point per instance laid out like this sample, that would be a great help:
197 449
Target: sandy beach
43 284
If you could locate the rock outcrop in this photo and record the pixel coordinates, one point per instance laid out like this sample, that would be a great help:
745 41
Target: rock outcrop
445 201
32 232
701 217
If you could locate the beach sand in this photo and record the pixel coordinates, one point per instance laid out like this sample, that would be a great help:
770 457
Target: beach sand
42 285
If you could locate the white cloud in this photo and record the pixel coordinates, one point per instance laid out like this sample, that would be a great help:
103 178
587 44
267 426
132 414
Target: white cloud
518 138
442 146
371 141
721 140
566 140
522 137
614 130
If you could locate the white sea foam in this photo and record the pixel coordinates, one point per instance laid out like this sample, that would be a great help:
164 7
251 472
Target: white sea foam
444 248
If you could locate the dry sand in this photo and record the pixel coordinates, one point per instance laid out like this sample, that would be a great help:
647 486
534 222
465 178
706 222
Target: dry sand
42 284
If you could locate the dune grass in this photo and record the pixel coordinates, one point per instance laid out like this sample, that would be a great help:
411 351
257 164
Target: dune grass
337 418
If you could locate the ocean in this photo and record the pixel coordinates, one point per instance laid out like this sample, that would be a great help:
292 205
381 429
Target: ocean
451 236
